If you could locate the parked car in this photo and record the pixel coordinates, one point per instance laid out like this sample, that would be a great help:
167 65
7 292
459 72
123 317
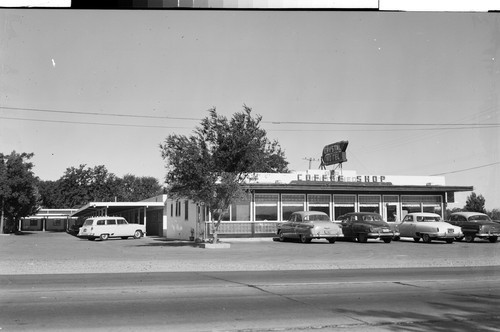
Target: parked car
308 225
428 227
107 227
366 225
475 225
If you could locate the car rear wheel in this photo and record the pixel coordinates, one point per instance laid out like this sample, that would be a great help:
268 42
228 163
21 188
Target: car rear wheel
387 240
282 237
362 238
331 240
137 234
449 240
469 238
416 239
124 237
304 239
493 239
426 238
104 237
459 238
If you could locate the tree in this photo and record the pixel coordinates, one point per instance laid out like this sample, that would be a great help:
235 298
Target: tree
211 165
79 186
133 188
475 203
18 191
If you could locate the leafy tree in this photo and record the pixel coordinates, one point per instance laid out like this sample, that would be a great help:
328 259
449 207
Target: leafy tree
211 165
494 214
18 191
50 195
133 188
475 203
79 186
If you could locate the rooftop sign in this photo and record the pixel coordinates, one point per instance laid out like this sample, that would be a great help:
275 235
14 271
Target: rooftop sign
334 153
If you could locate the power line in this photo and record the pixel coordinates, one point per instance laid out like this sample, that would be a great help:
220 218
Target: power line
475 125
95 123
281 130
467 169
100 114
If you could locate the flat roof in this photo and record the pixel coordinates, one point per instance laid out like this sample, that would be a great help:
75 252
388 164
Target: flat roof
356 187
113 207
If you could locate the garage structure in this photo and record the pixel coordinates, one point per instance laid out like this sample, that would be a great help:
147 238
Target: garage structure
50 220
149 212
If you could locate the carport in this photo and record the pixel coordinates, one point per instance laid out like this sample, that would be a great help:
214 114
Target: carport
134 212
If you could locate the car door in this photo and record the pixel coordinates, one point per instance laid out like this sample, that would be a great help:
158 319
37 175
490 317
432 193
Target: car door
298 226
122 228
111 227
347 223
287 227
407 226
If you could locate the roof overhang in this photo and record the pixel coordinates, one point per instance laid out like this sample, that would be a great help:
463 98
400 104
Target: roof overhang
93 208
357 187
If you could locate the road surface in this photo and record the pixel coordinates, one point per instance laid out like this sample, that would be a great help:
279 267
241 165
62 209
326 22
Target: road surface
406 299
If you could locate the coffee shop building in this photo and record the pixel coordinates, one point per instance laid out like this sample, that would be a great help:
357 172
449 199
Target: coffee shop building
272 197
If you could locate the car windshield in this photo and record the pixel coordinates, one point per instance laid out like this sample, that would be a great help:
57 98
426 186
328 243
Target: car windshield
87 223
479 217
317 217
427 218
373 219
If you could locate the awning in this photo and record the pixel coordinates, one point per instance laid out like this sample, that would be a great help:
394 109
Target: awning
94 208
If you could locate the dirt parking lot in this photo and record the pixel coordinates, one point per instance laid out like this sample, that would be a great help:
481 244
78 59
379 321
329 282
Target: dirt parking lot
50 253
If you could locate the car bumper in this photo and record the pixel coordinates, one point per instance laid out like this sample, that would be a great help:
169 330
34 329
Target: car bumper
444 236
376 235
487 235
325 236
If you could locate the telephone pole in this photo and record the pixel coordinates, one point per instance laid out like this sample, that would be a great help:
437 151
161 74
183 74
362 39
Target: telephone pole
310 160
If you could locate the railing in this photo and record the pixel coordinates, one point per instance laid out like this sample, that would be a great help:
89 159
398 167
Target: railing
244 228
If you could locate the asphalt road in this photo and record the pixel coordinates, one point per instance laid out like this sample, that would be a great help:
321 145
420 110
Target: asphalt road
56 282
440 299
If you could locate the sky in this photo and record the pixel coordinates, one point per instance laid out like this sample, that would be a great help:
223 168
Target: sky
413 93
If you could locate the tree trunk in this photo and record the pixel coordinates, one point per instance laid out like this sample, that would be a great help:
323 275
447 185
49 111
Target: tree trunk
1 219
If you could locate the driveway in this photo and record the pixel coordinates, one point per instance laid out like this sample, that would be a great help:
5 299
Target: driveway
50 253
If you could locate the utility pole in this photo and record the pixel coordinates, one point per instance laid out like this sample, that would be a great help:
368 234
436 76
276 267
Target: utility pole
310 160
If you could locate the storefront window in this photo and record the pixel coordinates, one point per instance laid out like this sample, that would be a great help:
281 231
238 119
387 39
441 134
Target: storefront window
343 204
240 211
266 207
319 203
369 203
291 203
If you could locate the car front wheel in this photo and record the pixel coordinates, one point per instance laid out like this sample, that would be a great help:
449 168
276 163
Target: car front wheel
387 240
304 239
493 239
331 240
449 240
104 237
426 238
416 239
137 234
469 238
362 238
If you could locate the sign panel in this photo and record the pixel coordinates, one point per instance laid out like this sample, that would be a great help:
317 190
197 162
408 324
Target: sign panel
334 153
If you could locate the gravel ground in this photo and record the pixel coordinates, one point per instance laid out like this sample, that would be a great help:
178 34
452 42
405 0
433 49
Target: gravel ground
53 253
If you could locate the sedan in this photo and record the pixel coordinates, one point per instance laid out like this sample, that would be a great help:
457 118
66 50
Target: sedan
308 225
475 225
428 227
366 225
